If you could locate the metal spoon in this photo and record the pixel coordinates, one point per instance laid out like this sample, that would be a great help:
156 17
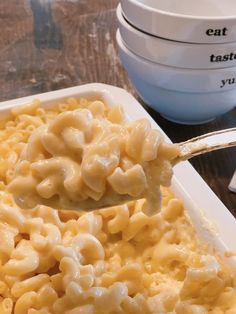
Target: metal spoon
206 143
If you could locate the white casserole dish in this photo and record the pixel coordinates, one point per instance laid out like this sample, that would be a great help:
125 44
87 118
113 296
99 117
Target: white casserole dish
214 223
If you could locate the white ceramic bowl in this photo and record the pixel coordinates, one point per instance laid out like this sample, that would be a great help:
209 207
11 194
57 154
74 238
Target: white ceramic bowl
201 21
176 53
181 95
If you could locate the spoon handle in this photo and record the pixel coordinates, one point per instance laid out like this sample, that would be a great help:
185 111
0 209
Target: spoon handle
207 143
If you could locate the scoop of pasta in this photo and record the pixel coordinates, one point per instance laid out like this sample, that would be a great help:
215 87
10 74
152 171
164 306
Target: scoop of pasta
91 158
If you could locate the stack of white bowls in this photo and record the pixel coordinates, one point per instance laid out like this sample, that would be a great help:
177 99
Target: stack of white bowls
180 55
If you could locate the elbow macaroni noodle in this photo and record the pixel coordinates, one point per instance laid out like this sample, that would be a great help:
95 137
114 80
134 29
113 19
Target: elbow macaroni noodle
110 261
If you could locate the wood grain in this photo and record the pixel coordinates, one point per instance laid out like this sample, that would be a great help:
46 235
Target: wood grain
48 45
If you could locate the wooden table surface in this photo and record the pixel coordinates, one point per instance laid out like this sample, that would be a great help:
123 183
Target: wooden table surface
53 44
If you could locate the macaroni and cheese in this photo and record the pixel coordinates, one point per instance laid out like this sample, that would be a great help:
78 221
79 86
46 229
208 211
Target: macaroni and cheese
110 261
90 158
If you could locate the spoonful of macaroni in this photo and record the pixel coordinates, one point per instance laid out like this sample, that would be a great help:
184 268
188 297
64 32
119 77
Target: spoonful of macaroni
91 158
